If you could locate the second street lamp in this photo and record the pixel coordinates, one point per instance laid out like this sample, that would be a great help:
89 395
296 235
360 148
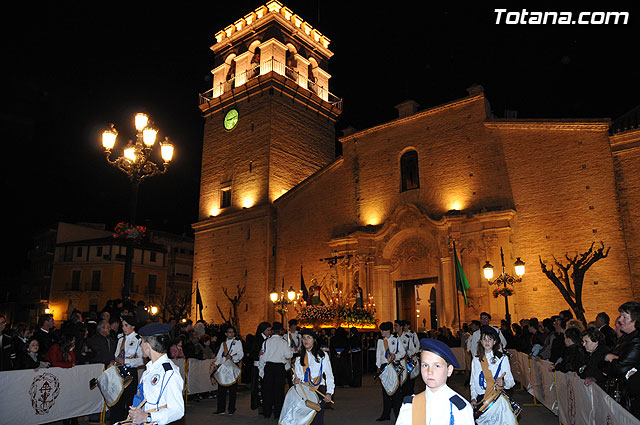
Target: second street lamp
505 280
135 163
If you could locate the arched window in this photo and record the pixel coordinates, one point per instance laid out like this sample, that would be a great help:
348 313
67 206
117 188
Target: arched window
409 171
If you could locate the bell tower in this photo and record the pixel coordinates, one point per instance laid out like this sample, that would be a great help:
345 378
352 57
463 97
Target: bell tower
269 124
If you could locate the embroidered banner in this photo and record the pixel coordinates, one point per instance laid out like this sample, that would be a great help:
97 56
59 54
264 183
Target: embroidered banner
48 395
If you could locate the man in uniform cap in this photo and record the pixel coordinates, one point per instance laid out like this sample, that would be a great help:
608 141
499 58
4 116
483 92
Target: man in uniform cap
161 384
438 404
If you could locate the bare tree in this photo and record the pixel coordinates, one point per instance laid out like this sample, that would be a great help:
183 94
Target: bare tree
175 304
233 310
569 279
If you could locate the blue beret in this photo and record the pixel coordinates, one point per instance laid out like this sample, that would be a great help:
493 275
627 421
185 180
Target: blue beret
155 329
439 348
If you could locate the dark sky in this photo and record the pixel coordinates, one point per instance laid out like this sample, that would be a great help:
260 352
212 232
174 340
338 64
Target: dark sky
76 66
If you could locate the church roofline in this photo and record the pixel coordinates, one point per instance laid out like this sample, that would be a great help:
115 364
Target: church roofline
430 111
581 124
624 142
309 180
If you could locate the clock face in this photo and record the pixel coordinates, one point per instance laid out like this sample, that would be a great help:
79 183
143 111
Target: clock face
231 119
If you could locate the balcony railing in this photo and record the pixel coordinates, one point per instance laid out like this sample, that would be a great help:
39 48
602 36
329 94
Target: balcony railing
264 68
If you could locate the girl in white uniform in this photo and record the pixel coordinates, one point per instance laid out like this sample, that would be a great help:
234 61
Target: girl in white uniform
491 358
313 367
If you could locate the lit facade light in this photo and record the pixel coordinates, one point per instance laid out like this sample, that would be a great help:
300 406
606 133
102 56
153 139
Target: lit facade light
487 269
109 138
456 206
149 136
247 202
519 267
141 120
153 310
47 310
130 153
291 293
273 296
166 150
215 212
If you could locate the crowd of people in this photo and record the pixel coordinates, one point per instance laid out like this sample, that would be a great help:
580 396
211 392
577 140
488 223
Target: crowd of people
600 354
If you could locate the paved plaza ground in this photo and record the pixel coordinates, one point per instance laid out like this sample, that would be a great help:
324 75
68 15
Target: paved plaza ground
353 406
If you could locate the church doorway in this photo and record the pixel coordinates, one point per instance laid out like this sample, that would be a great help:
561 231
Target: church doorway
414 302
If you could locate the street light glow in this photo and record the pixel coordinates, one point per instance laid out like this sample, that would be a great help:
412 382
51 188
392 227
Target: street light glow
141 121
149 136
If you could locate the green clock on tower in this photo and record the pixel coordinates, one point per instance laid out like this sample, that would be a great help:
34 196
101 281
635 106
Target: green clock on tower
230 119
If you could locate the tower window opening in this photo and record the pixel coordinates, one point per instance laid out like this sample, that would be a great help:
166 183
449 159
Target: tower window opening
409 171
225 197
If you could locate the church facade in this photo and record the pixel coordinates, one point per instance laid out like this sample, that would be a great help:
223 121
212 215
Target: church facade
275 202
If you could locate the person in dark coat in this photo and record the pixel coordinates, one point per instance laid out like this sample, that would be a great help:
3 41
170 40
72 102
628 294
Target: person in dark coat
262 333
355 347
602 323
102 345
339 349
592 370
28 357
7 350
574 356
44 334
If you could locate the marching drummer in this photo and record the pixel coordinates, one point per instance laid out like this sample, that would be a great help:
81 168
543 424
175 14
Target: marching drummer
407 341
230 349
128 354
275 353
490 368
438 404
313 368
388 350
159 394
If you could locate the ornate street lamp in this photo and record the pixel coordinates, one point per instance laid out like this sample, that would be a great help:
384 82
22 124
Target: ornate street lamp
135 163
283 299
505 280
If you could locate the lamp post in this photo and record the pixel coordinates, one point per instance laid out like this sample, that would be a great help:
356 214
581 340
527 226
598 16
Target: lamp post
505 280
283 299
135 163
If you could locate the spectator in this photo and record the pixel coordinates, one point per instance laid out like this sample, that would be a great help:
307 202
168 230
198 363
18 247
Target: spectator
557 345
142 315
22 333
44 334
602 324
506 331
550 335
574 356
28 357
175 351
517 336
83 352
114 327
591 371
575 323
102 345
205 350
566 315
62 353
7 350
625 358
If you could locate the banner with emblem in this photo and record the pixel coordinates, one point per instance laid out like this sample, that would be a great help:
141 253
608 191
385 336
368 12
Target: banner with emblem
607 411
49 395
199 376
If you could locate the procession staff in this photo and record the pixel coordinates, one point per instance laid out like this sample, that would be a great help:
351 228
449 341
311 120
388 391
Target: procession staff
275 353
388 349
262 333
490 366
231 349
438 404
128 354
161 385
313 368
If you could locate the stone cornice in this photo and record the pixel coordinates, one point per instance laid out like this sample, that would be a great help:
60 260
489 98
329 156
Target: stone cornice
418 115
596 124
625 142
229 219
309 180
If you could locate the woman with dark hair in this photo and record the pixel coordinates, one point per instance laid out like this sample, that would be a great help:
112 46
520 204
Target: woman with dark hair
591 371
491 367
28 357
62 353
313 368
574 355
262 333
624 359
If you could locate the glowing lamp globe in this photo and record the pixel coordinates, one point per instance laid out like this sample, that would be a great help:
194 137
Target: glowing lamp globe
519 266
141 120
487 269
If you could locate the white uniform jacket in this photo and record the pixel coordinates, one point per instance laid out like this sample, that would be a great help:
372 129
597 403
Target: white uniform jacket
316 369
409 344
441 406
294 342
478 382
472 342
274 350
395 347
235 349
162 386
132 349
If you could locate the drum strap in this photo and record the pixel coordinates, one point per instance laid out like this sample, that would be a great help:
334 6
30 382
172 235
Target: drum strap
313 382
487 372
419 409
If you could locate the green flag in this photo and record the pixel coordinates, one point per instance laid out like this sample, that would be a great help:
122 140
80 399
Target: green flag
462 284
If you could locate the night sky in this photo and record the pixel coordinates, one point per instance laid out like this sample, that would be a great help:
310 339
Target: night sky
74 67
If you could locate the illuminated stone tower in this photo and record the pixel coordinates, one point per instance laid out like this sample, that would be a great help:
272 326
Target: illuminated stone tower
269 125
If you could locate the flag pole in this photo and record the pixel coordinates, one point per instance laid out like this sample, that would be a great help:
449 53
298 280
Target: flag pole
455 271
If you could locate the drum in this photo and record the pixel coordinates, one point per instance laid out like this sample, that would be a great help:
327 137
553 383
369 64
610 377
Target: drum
390 380
401 369
498 411
300 406
488 401
111 383
413 366
227 373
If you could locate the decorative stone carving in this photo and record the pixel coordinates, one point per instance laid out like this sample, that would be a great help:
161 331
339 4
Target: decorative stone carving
410 251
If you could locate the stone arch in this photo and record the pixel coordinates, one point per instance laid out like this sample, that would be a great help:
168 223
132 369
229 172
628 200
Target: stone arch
412 253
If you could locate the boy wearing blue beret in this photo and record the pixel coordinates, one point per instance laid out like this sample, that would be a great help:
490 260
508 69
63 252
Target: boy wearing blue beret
438 404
